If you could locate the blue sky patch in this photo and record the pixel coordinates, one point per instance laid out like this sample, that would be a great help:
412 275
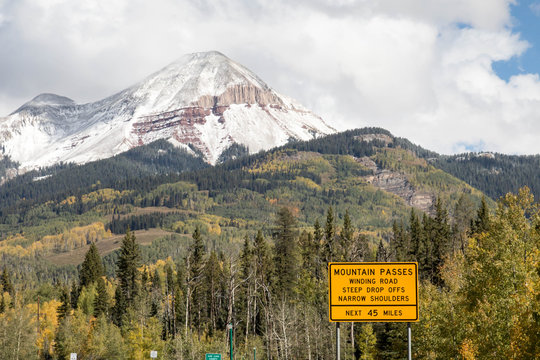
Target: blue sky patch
526 21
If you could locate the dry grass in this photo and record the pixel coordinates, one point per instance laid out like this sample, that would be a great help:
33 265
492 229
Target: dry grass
105 246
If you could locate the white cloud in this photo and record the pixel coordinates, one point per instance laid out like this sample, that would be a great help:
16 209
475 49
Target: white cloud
405 65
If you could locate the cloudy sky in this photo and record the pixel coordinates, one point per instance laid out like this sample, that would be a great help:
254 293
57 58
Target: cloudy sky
450 75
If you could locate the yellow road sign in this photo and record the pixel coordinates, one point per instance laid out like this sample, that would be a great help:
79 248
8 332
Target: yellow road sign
373 292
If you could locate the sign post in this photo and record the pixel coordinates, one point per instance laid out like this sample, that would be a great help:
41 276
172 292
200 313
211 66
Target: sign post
230 328
338 342
73 356
153 354
373 292
409 346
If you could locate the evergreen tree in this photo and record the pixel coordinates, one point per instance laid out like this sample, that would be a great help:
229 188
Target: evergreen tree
246 259
101 301
195 278
440 240
425 252
263 261
463 217
120 307
169 279
2 304
307 251
263 280
329 237
320 260
74 295
245 296
169 322
213 278
156 281
128 264
416 236
482 222
65 304
180 294
361 249
346 238
381 252
155 294
398 244
92 267
5 280
285 253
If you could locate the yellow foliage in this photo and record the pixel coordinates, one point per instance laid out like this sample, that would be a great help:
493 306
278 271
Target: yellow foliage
468 350
308 183
103 195
144 337
48 322
209 224
178 226
69 201
159 265
68 240
213 223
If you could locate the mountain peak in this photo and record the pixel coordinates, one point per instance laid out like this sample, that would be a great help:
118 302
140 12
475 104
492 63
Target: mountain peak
212 54
46 99
203 74
203 100
51 99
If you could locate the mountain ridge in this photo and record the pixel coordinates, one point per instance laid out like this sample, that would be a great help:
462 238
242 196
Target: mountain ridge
203 99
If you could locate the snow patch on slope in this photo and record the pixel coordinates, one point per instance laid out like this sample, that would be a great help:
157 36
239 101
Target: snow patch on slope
181 102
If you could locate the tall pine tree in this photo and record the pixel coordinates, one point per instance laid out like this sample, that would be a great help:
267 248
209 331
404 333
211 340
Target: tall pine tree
101 301
329 247
92 267
195 261
482 222
128 263
346 239
286 253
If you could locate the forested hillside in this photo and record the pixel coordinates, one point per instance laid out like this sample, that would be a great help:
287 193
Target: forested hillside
274 292
155 250
494 174
138 168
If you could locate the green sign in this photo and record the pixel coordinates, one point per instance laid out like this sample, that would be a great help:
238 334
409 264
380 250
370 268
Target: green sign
212 357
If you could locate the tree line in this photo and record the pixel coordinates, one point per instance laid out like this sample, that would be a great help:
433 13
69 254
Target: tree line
479 293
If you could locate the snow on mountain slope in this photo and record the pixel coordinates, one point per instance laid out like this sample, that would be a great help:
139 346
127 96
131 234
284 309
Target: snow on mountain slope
203 99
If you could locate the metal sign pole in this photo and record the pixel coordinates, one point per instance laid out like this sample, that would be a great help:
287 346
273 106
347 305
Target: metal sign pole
409 347
230 327
338 346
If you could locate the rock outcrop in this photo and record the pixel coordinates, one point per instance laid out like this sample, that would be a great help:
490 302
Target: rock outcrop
397 184
240 94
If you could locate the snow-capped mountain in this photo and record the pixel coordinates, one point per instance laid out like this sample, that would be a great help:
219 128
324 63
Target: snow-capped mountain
203 99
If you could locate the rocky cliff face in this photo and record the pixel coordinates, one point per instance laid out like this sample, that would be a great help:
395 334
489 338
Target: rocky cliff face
240 94
397 184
